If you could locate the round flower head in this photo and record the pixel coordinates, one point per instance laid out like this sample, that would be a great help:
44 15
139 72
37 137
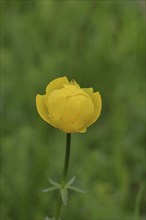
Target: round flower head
68 107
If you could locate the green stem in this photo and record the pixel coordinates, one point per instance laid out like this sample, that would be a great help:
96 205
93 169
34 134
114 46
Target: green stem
138 201
64 176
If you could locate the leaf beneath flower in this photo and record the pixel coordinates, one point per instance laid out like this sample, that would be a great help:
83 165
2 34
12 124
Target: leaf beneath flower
47 218
70 182
77 189
64 196
50 189
54 183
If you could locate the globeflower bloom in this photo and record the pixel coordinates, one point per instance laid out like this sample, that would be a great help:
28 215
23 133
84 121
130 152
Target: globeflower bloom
68 107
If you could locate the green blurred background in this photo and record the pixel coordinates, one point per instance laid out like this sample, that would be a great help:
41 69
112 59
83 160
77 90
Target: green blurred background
100 44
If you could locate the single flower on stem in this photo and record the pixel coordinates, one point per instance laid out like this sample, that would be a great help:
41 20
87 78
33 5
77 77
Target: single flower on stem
68 107
71 109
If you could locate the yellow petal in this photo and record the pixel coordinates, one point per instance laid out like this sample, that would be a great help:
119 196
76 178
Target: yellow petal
82 130
75 90
42 109
97 102
56 84
73 82
67 127
89 91
86 114
72 108
55 103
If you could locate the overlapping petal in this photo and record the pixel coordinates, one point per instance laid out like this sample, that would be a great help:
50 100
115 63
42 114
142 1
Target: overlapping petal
89 91
72 108
42 109
97 102
56 84
55 103
86 114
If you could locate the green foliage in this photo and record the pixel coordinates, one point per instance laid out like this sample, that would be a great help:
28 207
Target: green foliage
100 44
64 195
63 189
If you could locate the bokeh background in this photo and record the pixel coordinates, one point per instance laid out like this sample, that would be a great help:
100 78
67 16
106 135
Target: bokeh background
100 44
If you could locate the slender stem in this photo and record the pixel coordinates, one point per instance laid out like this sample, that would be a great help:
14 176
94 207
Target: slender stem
67 157
64 175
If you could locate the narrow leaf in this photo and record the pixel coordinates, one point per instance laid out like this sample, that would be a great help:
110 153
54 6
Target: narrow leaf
70 182
64 196
138 201
47 218
77 189
54 183
50 189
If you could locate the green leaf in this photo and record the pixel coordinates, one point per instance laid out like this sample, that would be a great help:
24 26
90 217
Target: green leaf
54 183
70 182
47 218
77 189
50 189
138 200
64 196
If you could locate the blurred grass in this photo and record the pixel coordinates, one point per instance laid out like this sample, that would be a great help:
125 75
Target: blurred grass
99 44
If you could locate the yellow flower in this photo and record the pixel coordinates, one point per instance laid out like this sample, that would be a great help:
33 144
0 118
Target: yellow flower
68 107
